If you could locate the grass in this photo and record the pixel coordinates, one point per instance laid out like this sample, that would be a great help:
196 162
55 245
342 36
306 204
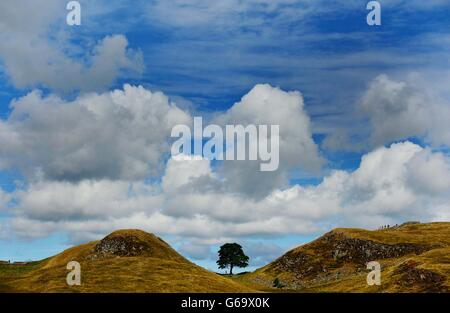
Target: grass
350 277
429 233
11 272
165 271
161 269
130 274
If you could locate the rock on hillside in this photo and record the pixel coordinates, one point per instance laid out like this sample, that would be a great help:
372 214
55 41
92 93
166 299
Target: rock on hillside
128 243
424 280
340 257
335 249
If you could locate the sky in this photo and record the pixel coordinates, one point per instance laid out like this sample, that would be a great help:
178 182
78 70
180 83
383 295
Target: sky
86 114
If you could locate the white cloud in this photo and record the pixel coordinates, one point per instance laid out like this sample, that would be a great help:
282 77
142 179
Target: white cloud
396 110
122 134
382 190
125 135
181 174
32 64
35 52
89 199
378 186
266 105
427 172
87 162
25 17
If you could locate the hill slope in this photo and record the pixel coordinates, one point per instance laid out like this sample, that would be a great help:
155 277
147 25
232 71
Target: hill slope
413 258
124 261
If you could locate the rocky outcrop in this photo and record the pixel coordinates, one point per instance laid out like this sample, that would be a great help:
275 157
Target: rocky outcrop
419 279
337 261
133 243
122 246
361 251
333 250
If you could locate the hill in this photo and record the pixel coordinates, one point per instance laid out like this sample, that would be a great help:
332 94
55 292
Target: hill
124 261
414 258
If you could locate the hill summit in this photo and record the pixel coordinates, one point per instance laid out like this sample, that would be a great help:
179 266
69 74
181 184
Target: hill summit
127 260
134 242
414 257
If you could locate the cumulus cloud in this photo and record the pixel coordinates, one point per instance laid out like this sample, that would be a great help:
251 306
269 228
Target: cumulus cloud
181 176
399 110
122 134
383 190
48 200
87 164
396 110
37 53
267 105
427 172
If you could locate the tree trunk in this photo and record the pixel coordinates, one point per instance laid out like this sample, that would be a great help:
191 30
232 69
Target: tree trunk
231 269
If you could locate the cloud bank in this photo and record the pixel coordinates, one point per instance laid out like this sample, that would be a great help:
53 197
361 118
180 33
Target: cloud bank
121 134
100 150
403 181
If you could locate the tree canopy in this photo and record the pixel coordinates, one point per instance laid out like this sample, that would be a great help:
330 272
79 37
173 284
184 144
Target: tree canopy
232 255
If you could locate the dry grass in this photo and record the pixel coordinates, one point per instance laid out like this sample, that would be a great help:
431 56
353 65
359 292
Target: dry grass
350 277
162 269
167 271
429 233
438 261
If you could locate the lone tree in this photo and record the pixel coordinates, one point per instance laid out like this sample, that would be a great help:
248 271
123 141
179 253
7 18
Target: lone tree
231 254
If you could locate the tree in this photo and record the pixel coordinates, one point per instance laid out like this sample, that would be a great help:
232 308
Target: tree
231 255
277 283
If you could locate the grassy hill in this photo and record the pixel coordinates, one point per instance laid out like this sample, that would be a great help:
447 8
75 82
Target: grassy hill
124 261
413 258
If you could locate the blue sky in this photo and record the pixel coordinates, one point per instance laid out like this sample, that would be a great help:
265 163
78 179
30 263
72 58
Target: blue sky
205 57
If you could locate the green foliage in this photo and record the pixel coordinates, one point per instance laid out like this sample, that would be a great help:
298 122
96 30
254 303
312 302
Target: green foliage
277 283
231 255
